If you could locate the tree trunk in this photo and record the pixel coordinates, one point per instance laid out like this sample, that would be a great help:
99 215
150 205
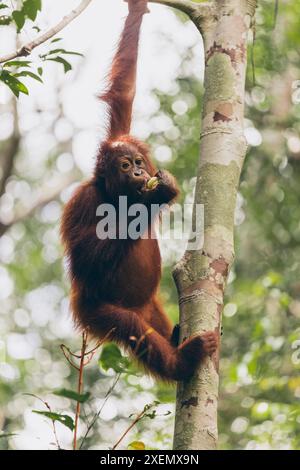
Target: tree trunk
201 275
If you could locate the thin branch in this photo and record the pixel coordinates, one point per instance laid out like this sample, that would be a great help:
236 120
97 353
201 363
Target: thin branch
91 425
27 48
186 6
79 386
53 422
99 343
64 348
199 13
134 422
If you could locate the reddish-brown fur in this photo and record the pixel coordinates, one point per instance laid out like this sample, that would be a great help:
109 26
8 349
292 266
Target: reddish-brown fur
115 282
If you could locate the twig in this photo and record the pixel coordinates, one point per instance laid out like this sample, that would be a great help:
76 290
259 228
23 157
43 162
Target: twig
78 356
27 48
186 6
64 348
83 354
137 419
52 420
55 432
79 387
91 425
99 343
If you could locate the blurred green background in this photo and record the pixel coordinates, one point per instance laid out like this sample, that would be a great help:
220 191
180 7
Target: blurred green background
260 366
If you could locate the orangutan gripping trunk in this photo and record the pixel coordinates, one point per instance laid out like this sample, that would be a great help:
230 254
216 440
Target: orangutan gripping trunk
115 281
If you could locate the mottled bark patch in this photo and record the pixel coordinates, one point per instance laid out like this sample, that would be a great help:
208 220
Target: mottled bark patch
209 401
218 193
221 117
236 54
193 401
223 112
220 266
220 79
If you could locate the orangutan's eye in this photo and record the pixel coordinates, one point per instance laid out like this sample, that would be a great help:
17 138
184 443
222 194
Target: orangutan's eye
125 165
138 161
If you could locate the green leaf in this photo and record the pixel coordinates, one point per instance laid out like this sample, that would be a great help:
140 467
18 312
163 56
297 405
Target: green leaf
56 40
150 415
74 53
137 445
56 51
17 63
3 6
19 19
13 83
26 73
63 51
63 419
21 87
31 8
67 66
111 358
79 397
40 71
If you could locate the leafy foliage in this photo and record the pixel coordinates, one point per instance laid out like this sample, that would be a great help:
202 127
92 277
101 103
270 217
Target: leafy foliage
61 418
14 84
80 397
112 358
29 10
14 69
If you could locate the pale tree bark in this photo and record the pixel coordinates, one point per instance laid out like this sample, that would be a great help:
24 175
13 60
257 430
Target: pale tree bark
201 275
